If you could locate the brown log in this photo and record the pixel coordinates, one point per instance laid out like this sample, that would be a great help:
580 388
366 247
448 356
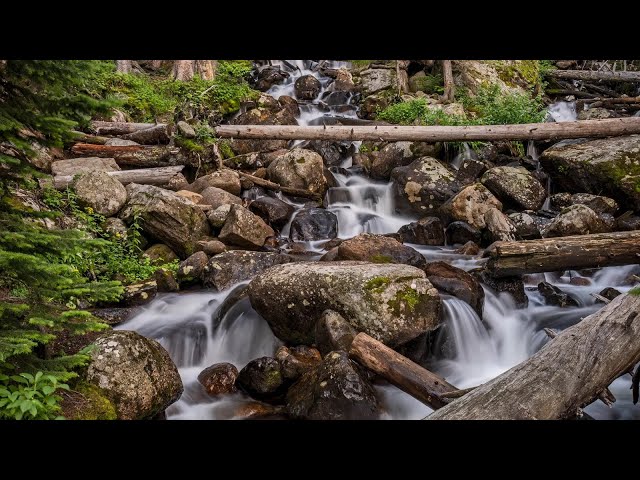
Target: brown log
564 253
119 128
409 377
612 101
296 192
449 88
133 155
146 176
530 131
158 134
565 375
86 138
575 93
591 75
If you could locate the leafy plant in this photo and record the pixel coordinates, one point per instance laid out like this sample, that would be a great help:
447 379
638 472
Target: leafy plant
32 397
495 107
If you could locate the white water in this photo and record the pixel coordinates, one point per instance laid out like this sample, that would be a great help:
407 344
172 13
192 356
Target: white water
563 111
469 350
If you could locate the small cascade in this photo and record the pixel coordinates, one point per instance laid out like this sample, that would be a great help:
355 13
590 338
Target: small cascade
465 153
563 111
532 151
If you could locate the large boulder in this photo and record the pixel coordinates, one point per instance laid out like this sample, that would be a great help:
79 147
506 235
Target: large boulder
135 373
337 389
456 282
471 204
216 197
269 76
392 303
299 168
244 229
313 224
307 87
425 184
575 220
608 166
333 332
267 113
369 247
528 225
426 231
101 192
392 155
226 179
462 233
173 220
499 227
274 211
515 186
159 254
228 268
597 203
375 80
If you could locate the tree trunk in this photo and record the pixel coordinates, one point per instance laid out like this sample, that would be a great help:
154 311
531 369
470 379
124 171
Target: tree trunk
566 374
296 192
184 70
402 76
565 253
86 138
207 69
591 75
530 131
449 89
120 128
146 176
158 134
123 66
400 371
139 156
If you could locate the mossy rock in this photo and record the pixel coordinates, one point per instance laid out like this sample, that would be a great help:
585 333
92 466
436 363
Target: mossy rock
87 402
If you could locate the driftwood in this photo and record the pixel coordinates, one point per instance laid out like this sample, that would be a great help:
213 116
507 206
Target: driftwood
410 377
145 176
530 131
158 134
564 253
296 192
119 128
565 375
591 75
133 155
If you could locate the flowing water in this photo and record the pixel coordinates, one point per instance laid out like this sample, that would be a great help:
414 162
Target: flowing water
200 329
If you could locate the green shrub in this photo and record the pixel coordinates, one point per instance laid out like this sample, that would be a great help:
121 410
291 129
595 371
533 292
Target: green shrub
494 107
31 397
407 113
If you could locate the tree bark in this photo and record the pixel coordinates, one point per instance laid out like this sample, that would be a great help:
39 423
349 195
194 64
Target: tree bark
296 192
184 70
139 156
566 374
449 89
158 134
402 76
591 75
207 69
120 128
409 377
146 176
86 138
124 66
530 131
565 253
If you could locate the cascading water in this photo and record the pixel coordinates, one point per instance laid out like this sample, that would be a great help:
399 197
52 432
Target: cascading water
200 329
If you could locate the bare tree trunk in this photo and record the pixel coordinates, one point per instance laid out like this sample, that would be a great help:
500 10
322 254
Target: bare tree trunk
146 176
447 72
591 75
184 70
123 66
402 76
207 68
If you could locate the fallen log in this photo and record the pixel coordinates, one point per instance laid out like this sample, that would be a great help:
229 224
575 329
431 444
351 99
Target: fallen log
575 93
591 75
296 192
133 155
158 134
565 375
119 128
563 253
529 131
420 383
86 138
145 176
612 101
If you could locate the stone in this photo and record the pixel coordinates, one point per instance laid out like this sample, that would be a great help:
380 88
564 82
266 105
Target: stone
456 282
219 379
186 130
171 219
597 203
139 294
307 87
258 410
337 389
596 113
261 378
332 153
269 76
514 286
392 303
469 248
212 247
113 316
392 155
75 166
554 296
299 168
374 248
160 254
244 229
116 228
515 186
628 222
165 280
192 269
313 224
216 197
609 293
470 171
227 180
575 220
296 361
177 182
343 81
375 80
218 216
229 268
426 231
500 228
135 373
471 204
120 142
461 233
372 105
528 225
262 116
101 192
272 210
192 196
333 332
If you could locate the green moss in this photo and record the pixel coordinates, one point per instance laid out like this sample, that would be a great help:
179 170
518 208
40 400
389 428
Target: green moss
300 160
404 300
634 291
225 149
527 73
381 259
96 406
377 284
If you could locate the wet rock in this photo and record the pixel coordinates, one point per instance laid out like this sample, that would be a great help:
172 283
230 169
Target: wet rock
212 247
135 373
425 184
299 168
192 196
192 269
469 248
609 293
258 410
289 104
228 268
609 166
138 294
333 153
515 186
375 80
470 171
313 224
392 303
216 197
185 129
471 205
338 389
227 180
165 280
456 282
218 216
333 332
343 81
554 296
159 254
307 87
372 105
392 155
262 116
374 248
462 233
628 222
597 113
219 379
261 378
270 76
499 227
113 316
511 285
580 281
167 217
274 211
244 229
296 361
575 220
101 192
528 225
426 231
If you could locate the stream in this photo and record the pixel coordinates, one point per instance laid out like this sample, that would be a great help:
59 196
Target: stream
202 328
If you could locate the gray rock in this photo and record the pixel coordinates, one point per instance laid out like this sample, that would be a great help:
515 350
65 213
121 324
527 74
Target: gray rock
113 316
186 130
313 224
554 296
159 254
274 211
369 247
229 268
307 87
392 155
261 378
139 294
299 168
471 205
216 197
227 180
116 227
120 142
75 166
500 228
528 225
462 233
101 192
456 282
212 247
333 332
426 231
191 270
596 203
218 216
515 186
375 80
575 220
244 229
